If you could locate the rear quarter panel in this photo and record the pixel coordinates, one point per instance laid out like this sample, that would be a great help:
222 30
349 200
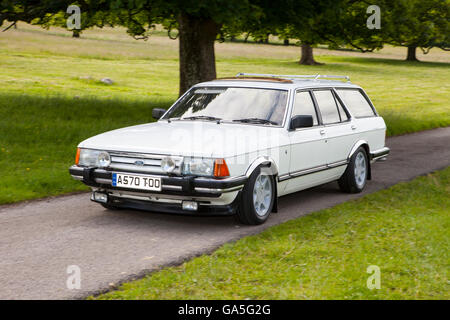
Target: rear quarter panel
373 130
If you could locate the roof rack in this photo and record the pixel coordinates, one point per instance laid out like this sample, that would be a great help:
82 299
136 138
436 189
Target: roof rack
283 76
272 79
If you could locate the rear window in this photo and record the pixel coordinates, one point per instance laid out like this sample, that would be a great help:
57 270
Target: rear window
327 106
356 103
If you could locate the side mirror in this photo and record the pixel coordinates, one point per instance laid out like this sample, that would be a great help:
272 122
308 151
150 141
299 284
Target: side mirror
301 121
158 113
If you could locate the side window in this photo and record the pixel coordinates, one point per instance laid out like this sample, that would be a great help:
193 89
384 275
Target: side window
304 105
344 116
327 106
356 103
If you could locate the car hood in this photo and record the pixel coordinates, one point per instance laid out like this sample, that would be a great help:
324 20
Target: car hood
187 138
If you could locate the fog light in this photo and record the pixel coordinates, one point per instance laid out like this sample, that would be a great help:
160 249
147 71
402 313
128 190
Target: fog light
190 205
99 197
104 159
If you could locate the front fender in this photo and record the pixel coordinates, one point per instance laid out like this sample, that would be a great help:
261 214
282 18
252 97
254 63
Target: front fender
268 164
263 160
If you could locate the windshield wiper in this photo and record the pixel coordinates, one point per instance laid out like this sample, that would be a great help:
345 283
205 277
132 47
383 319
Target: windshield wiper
255 120
202 118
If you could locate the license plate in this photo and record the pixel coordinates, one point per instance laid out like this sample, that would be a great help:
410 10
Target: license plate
133 181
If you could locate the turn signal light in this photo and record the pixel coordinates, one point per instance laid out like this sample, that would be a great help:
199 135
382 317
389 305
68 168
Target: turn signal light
77 157
221 169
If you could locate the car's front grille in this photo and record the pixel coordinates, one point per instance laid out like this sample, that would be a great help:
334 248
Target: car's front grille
141 163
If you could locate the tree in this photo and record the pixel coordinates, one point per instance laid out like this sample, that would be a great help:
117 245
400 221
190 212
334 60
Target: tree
423 24
199 23
349 27
308 22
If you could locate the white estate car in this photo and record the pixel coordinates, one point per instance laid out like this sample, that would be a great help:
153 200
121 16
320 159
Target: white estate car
234 145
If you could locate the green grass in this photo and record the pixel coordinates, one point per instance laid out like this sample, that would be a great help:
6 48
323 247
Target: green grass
403 230
51 97
37 143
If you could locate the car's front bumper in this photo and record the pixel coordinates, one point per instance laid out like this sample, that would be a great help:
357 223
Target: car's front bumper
213 195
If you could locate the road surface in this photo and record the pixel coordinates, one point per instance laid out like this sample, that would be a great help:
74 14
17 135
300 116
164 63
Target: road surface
40 239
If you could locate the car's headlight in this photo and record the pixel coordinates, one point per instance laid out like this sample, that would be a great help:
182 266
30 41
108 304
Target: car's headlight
93 158
168 165
198 166
205 167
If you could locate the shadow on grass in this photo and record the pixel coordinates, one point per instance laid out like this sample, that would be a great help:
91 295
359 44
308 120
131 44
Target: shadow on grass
329 61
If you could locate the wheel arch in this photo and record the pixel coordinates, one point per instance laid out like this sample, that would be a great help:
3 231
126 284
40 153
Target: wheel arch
267 162
365 145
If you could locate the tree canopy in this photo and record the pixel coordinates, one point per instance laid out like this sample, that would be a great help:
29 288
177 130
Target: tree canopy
411 23
415 24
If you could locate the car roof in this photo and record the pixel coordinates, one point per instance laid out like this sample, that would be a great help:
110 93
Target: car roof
279 82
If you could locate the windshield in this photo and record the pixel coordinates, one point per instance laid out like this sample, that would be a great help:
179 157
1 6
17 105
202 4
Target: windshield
248 105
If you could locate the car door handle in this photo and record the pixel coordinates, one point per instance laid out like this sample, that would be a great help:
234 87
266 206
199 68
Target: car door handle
322 132
353 127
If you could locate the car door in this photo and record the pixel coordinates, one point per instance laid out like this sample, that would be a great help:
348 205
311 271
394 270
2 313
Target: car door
307 145
340 132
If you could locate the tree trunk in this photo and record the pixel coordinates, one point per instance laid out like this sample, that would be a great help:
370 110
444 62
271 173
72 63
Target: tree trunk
197 59
307 56
411 54
286 42
75 33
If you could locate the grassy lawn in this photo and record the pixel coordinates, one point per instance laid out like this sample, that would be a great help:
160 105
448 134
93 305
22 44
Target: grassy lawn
51 97
403 230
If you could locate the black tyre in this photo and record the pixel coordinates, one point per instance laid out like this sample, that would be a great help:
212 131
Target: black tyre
258 197
354 178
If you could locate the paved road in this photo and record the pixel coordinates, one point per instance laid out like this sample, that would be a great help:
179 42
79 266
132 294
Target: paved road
40 239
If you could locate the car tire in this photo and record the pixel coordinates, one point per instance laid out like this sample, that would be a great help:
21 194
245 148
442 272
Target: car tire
257 198
354 178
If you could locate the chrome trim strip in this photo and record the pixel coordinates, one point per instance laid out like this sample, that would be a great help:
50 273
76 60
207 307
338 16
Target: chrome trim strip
102 181
171 187
77 177
307 171
144 198
134 168
132 160
337 164
143 155
225 198
210 190
283 177
312 170
230 179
